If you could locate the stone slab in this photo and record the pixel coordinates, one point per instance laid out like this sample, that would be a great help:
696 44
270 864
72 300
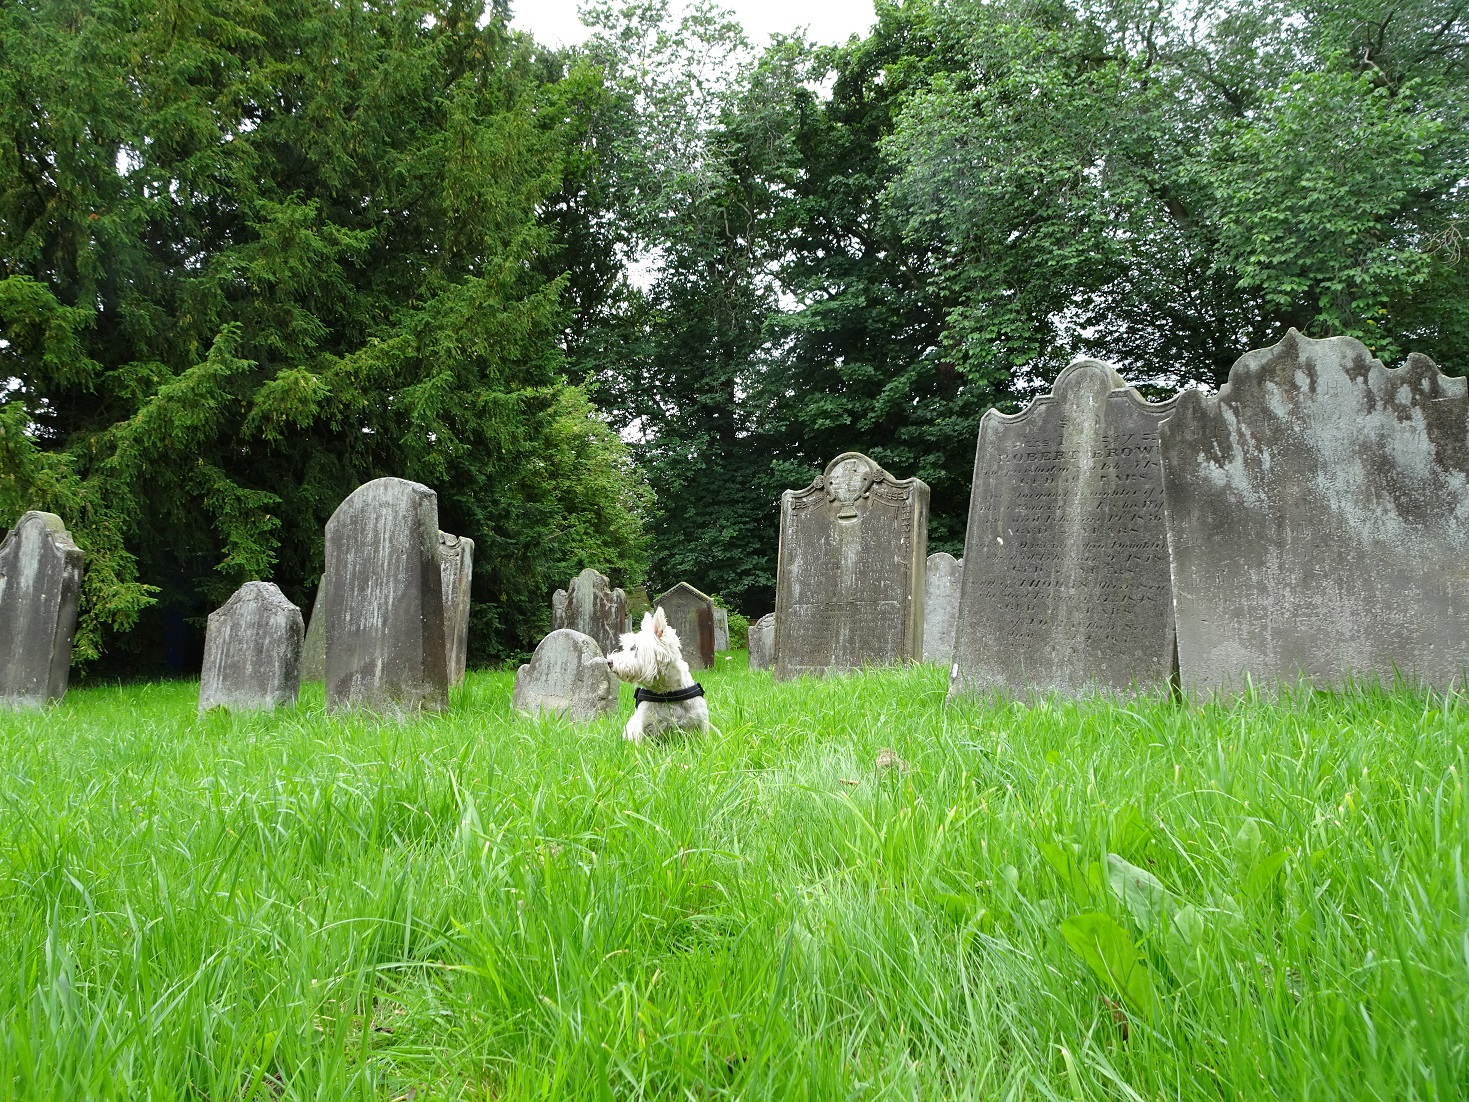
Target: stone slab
384 609
1066 580
762 642
591 606
850 573
691 614
456 565
252 652
313 651
40 586
941 606
567 676
721 629
1318 517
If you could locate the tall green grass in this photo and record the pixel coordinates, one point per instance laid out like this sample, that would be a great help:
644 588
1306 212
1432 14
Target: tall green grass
485 906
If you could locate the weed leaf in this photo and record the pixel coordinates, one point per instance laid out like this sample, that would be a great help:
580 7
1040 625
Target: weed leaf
1113 958
1064 864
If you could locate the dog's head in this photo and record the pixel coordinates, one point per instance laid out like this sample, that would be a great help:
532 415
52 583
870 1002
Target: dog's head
649 656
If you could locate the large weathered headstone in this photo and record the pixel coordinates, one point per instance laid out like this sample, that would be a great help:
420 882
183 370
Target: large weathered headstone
567 676
691 614
941 607
252 652
456 563
385 600
721 629
762 642
1318 520
850 577
1065 584
591 606
40 583
313 651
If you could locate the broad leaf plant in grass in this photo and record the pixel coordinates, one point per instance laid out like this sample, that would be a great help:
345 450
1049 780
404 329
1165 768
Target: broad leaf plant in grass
1120 900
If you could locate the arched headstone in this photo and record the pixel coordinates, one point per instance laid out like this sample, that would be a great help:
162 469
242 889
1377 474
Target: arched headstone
252 651
762 642
690 614
567 676
592 607
941 607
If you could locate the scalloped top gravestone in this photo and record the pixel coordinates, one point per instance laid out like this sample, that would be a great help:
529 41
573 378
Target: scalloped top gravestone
1066 585
691 615
252 652
762 642
941 607
40 584
721 629
313 650
385 600
1318 518
591 606
456 562
850 574
567 676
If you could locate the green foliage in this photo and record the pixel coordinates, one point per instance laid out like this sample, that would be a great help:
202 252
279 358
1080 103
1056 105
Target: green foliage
253 256
301 906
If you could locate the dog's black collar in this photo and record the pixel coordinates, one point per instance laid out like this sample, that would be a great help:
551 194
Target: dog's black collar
647 695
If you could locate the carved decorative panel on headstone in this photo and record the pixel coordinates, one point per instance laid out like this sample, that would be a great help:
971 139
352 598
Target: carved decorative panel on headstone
941 607
850 577
762 642
252 652
40 584
456 563
721 629
592 607
1065 583
567 676
691 614
385 600
313 651
1318 518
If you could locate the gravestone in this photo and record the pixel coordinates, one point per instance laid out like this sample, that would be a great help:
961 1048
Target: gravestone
456 565
252 652
591 606
567 676
721 629
850 574
941 606
691 614
40 584
1065 584
762 642
1318 520
385 600
313 651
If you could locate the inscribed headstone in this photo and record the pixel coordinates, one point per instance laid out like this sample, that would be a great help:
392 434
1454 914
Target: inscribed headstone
1318 518
941 606
691 615
1065 583
40 584
385 600
721 629
567 676
456 564
850 575
591 606
313 651
762 642
252 651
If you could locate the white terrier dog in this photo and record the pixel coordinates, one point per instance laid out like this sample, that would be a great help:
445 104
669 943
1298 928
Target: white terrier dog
668 697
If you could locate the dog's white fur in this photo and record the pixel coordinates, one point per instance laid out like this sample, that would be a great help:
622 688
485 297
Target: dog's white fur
653 659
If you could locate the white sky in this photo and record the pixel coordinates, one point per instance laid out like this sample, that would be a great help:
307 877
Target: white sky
554 22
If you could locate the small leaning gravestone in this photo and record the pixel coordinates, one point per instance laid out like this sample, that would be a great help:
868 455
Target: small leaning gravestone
941 607
850 572
252 652
385 600
456 561
313 650
1318 521
690 614
721 629
40 584
1066 585
762 642
567 676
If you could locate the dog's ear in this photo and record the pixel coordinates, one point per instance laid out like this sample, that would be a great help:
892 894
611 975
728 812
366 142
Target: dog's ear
660 622
647 621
